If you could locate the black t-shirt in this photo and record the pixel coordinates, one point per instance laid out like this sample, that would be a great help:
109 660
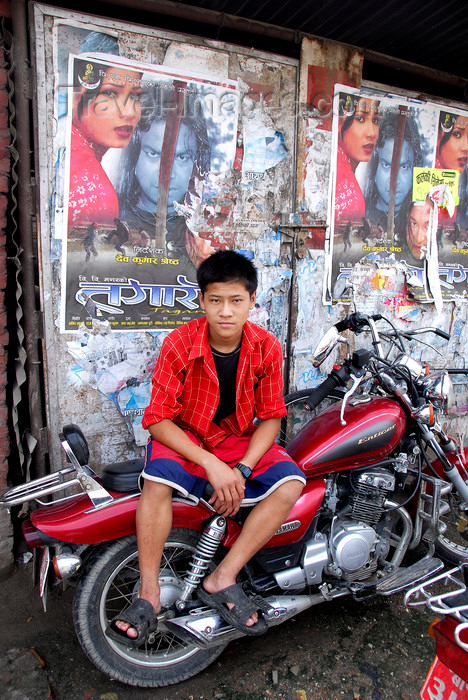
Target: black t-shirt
226 369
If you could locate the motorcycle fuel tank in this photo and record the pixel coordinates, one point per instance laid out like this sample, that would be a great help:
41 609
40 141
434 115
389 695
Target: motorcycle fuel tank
373 430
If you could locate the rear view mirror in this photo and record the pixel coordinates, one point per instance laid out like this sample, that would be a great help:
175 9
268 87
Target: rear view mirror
327 343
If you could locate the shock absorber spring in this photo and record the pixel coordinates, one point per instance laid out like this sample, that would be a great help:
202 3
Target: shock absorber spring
202 557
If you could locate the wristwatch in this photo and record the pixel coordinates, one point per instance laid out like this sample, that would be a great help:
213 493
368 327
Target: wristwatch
244 470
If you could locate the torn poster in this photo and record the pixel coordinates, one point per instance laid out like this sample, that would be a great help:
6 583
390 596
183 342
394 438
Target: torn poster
385 148
140 139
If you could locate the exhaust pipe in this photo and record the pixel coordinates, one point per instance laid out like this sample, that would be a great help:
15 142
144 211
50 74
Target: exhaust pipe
206 628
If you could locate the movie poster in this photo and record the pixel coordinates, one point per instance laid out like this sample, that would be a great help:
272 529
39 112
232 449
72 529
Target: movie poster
394 158
140 141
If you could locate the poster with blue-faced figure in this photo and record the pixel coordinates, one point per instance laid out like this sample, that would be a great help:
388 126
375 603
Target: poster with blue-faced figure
140 142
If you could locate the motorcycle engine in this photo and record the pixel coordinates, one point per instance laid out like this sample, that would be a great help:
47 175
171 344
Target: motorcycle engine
370 490
355 544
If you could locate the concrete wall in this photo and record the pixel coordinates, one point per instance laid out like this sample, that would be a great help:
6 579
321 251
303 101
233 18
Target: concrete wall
91 373
281 218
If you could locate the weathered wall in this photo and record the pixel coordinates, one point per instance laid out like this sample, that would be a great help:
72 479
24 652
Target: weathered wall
322 65
93 375
6 535
260 213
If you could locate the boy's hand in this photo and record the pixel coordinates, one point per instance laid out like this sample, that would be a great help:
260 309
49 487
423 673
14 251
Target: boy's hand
228 485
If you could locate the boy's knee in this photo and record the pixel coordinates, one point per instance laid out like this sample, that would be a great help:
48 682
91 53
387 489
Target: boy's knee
155 491
291 490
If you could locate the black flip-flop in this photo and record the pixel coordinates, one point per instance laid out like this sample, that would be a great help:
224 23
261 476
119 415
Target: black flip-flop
244 607
141 616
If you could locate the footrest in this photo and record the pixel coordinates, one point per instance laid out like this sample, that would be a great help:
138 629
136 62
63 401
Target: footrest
407 576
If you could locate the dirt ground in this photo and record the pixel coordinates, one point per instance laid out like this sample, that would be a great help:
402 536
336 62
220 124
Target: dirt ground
374 650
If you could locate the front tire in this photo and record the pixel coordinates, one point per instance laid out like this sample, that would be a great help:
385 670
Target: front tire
108 585
452 545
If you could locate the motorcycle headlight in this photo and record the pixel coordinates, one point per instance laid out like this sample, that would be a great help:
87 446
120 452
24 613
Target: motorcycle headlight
438 389
415 369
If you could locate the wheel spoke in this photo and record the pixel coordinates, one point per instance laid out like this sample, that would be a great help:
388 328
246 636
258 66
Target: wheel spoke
120 592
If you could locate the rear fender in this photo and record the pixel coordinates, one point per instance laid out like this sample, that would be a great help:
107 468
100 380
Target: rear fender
76 520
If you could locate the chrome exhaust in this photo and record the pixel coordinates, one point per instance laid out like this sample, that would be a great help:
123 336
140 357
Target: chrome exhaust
206 628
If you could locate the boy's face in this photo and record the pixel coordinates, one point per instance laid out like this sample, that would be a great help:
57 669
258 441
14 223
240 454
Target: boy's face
226 306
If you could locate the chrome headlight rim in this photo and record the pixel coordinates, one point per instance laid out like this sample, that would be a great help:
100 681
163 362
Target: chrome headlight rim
438 389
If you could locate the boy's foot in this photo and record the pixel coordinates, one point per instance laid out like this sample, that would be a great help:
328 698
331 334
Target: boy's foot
133 625
236 608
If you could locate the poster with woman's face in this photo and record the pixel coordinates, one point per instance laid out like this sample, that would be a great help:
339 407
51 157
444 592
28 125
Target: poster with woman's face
380 142
140 141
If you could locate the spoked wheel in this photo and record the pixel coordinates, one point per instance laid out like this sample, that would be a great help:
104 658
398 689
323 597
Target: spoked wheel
452 545
108 586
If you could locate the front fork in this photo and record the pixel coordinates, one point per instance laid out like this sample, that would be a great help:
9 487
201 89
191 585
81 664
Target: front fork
451 468
452 462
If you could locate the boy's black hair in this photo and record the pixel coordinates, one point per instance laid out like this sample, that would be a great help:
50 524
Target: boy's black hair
227 266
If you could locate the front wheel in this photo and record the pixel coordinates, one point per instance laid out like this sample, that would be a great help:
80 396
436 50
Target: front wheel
109 584
452 545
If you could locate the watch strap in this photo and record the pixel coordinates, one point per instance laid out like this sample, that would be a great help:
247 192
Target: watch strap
244 469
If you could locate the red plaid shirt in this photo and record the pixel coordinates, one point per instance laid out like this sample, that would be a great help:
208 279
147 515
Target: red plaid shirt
186 389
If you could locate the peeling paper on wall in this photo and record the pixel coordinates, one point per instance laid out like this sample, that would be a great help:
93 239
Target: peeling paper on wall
119 365
316 170
263 144
309 281
263 152
268 247
271 307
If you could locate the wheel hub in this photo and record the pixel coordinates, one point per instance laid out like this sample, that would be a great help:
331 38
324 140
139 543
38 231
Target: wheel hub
171 588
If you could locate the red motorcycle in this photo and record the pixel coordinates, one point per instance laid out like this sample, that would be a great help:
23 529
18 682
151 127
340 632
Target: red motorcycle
447 596
383 478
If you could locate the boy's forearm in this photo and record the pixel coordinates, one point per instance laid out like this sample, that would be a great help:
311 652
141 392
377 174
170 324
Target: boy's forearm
227 483
169 434
261 441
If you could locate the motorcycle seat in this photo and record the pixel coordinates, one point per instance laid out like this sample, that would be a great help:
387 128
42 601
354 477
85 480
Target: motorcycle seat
122 477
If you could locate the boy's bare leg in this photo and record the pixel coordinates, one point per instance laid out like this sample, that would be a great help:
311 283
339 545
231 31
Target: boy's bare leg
154 522
260 526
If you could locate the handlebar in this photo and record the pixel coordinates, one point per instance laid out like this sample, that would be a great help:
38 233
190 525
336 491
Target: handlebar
419 331
354 322
339 376
321 392
357 322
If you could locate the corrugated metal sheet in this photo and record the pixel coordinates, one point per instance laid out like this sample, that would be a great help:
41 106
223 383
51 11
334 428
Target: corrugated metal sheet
432 33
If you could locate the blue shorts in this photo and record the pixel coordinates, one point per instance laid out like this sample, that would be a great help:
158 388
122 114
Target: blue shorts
168 467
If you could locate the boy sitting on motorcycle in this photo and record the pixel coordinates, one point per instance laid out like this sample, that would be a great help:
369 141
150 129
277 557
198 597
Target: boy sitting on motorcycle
213 376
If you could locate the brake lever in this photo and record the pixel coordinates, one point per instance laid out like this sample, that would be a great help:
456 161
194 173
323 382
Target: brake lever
390 336
356 380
